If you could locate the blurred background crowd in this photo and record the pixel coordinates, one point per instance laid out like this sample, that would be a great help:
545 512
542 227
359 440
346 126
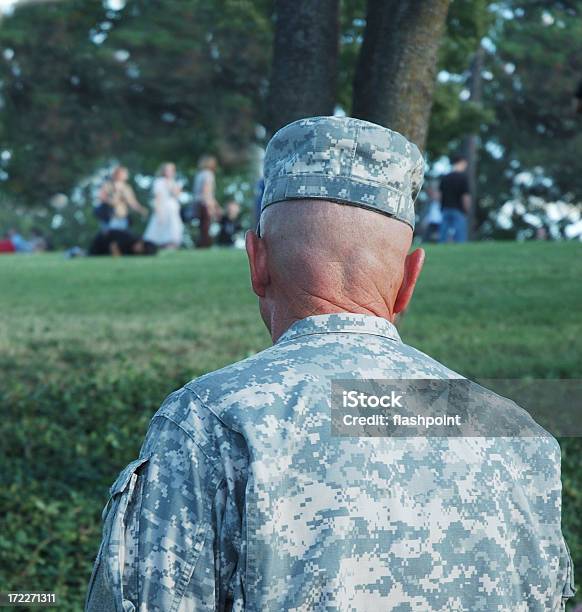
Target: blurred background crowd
204 84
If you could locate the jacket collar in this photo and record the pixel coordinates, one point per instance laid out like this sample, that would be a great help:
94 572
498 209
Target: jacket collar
344 323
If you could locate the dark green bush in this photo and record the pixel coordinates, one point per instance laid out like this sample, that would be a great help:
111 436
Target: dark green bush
90 348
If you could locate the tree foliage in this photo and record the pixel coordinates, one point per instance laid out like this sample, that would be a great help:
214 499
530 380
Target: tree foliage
158 80
82 84
532 71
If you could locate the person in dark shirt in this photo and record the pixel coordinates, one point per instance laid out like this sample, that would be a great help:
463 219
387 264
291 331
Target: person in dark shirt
229 224
578 98
455 201
120 242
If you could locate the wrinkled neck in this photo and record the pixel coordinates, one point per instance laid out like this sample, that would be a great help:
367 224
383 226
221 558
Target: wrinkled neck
283 311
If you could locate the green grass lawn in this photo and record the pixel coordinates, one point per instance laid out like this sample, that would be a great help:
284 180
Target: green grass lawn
90 347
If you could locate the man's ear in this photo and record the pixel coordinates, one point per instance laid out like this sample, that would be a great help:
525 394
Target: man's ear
412 267
257 254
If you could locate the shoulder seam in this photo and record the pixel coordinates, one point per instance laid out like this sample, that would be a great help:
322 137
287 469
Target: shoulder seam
204 405
189 436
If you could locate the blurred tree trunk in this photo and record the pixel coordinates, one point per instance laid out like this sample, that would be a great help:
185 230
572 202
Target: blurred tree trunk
305 57
471 142
396 71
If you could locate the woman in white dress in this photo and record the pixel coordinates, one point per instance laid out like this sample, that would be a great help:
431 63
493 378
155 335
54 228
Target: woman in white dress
165 227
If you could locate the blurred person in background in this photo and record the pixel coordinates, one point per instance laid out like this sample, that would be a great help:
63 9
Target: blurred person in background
21 245
6 246
229 224
578 98
206 207
455 201
165 227
434 216
15 242
118 194
38 241
121 242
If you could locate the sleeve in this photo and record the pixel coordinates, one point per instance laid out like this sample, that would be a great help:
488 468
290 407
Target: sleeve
159 550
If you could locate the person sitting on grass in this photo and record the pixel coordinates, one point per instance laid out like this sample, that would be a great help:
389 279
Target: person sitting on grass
229 224
119 242
118 195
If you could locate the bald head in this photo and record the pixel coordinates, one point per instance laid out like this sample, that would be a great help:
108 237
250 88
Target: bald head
335 251
317 257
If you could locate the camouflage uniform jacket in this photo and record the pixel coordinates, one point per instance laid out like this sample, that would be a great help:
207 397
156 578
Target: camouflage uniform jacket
241 499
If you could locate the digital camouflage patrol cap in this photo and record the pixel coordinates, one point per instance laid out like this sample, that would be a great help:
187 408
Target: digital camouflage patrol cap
344 160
